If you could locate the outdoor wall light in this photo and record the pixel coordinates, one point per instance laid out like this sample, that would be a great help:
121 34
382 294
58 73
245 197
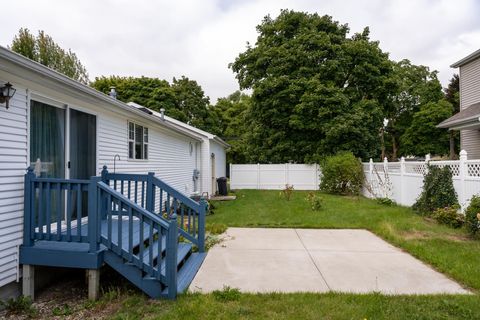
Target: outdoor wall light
6 93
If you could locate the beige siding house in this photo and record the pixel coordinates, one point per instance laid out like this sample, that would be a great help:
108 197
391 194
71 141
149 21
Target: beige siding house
468 119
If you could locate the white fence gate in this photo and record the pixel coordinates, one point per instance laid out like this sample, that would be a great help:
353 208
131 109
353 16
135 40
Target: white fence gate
274 176
403 181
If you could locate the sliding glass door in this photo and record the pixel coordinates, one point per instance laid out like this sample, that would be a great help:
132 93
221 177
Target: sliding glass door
47 140
83 128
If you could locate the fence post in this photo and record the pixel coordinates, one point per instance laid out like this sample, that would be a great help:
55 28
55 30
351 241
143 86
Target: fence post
258 175
402 177
171 264
28 196
463 172
149 201
93 213
285 172
317 176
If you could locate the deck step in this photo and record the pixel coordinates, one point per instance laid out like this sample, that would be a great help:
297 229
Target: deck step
188 271
125 235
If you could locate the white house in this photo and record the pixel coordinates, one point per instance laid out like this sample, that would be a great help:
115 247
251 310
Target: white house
212 150
468 119
69 130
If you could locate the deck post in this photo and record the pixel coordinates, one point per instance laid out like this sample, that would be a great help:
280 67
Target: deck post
150 201
104 174
201 225
93 217
27 203
93 276
28 281
171 256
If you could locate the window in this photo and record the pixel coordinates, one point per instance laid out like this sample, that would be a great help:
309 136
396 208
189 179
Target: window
137 141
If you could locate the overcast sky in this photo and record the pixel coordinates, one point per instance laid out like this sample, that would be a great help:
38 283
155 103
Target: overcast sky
200 38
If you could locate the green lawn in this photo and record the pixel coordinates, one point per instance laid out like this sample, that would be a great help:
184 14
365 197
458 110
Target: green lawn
447 250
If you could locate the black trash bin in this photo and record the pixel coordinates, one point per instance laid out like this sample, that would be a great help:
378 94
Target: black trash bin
222 186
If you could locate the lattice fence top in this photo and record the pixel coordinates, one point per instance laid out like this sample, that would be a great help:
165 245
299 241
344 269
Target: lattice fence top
415 167
473 168
454 166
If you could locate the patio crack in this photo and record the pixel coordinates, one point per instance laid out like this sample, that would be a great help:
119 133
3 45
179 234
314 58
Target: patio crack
313 261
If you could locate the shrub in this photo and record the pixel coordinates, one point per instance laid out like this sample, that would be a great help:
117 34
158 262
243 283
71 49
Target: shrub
438 191
449 216
472 215
342 174
315 201
287 192
385 201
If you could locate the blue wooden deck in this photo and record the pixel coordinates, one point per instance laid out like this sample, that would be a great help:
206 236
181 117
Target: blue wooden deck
130 223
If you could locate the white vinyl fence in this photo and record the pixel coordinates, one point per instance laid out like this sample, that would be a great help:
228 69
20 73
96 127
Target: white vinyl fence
274 176
403 181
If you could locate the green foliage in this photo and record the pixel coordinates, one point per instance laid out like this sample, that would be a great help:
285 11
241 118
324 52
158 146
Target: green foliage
287 192
423 136
44 50
64 310
438 191
385 201
183 99
216 228
315 201
342 174
20 305
449 216
472 215
412 87
312 85
227 294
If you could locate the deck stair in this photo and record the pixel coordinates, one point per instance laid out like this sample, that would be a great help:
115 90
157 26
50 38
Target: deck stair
142 227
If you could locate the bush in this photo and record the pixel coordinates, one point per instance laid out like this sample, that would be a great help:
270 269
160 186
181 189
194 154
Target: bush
472 215
449 216
342 174
385 201
315 201
438 191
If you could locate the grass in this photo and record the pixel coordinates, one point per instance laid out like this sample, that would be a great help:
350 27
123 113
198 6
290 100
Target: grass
448 250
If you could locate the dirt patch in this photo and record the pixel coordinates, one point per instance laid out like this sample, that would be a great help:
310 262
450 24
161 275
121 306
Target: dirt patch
425 235
67 299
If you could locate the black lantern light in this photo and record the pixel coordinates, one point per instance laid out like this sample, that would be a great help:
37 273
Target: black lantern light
6 93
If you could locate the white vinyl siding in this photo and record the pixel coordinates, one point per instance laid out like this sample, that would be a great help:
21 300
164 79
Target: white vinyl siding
168 155
220 159
470 94
13 162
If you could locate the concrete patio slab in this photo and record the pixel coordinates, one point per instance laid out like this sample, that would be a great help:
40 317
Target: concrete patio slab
303 260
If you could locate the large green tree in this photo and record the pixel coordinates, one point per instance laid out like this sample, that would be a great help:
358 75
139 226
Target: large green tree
316 90
44 50
415 86
423 136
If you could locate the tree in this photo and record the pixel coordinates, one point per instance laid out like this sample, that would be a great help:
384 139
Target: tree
183 99
452 95
414 86
44 50
234 119
315 90
423 136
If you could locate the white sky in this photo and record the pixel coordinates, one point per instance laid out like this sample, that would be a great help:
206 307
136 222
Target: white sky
199 38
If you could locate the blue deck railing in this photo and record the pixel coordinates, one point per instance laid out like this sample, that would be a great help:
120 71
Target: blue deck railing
137 217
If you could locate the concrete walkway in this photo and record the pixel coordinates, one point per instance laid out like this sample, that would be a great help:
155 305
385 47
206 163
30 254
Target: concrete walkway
310 260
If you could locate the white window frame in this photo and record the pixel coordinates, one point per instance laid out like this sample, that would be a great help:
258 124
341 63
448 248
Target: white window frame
145 142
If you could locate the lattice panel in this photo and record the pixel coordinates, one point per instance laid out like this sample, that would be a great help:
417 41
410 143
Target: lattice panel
415 168
454 167
473 169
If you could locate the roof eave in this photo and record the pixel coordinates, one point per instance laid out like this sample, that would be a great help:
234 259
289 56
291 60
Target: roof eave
467 59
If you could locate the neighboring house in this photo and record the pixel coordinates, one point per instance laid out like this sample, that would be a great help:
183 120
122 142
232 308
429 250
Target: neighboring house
468 119
65 129
212 149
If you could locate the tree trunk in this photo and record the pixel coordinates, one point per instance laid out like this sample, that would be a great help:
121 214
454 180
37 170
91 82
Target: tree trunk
394 148
452 145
